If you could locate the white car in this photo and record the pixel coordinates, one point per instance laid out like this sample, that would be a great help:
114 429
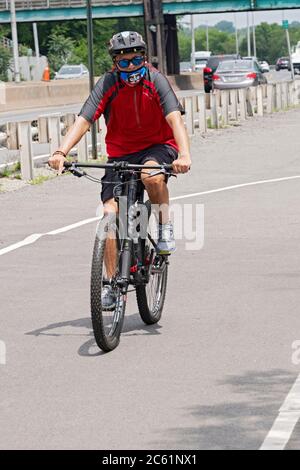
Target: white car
201 64
264 66
72 71
185 67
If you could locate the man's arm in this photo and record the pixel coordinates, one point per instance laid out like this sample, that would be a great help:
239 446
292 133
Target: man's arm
73 136
183 163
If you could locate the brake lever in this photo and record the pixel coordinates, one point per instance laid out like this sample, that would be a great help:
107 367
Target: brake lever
161 171
77 172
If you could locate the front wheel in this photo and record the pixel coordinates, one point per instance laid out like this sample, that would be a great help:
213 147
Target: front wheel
107 324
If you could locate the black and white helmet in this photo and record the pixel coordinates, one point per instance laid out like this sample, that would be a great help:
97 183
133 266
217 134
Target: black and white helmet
126 41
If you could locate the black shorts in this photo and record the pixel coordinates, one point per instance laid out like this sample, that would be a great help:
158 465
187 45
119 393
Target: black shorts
158 153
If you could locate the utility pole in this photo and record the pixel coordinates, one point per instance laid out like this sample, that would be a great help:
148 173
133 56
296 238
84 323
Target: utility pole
290 53
285 25
14 35
254 35
193 44
36 40
236 35
36 47
248 35
91 69
207 37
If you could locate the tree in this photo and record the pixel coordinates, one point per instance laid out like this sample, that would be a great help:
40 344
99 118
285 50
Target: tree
61 49
225 26
4 30
271 41
5 56
184 44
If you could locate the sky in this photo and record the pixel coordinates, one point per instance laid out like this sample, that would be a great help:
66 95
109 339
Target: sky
275 16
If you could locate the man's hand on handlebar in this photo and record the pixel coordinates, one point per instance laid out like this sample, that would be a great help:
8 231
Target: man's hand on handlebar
182 164
57 160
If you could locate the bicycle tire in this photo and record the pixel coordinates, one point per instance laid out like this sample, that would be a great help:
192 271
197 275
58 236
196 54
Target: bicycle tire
106 339
151 314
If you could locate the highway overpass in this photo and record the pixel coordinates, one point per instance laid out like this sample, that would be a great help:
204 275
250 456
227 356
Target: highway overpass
47 10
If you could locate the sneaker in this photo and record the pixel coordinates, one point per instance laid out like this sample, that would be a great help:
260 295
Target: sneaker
108 298
166 241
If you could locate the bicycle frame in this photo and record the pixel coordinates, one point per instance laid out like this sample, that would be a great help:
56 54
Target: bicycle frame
129 246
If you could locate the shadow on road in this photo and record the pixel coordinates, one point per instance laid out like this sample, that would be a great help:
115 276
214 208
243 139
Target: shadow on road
236 424
133 326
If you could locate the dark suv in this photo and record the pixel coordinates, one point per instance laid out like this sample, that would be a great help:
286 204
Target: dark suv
282 63
211 67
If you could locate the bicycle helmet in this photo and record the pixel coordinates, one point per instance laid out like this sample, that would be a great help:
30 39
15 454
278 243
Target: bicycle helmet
126 41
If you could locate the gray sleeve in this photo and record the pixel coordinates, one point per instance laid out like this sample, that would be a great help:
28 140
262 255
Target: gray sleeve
94 106
167 97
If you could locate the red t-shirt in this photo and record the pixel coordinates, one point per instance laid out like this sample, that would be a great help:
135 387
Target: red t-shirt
135 116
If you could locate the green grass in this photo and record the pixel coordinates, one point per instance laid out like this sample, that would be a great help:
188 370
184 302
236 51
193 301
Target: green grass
40 179
209 123
11 171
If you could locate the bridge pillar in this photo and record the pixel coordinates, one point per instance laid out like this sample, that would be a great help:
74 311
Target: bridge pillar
155 33
172 51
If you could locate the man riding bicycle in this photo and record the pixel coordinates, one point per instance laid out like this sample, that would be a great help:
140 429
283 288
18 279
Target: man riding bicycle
144 126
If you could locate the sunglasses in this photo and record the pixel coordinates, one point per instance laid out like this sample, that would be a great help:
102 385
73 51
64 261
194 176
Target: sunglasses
137 60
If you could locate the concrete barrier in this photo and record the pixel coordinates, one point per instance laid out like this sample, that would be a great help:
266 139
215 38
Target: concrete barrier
44 94
28 95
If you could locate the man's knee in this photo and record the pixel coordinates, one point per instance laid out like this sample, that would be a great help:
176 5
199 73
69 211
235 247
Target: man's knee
152 182
110 207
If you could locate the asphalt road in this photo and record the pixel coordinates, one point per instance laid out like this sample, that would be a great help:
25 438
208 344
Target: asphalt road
216 370
282 75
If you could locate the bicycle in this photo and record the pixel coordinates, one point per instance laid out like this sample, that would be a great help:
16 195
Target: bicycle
123 257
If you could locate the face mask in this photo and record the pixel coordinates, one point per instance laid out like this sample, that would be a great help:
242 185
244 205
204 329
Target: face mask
132 78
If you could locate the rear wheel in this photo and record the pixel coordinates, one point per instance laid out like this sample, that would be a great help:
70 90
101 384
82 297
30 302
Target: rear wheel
107 324
151 296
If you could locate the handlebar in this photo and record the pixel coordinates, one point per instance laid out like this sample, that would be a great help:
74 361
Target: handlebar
117 166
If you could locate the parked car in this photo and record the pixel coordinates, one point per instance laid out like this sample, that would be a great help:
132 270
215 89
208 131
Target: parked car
211 67
200 64
265 67
282 63
185 67
71 71
238 74
252 57
201 58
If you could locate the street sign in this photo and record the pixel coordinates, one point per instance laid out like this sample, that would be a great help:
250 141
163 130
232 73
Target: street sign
285 24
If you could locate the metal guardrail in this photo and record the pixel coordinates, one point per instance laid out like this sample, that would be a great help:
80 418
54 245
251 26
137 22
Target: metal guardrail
42 4
203 111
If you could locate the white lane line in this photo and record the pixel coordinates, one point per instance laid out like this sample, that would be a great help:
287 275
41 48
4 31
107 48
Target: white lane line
72 226
288 417
27 241
33 238
236 186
